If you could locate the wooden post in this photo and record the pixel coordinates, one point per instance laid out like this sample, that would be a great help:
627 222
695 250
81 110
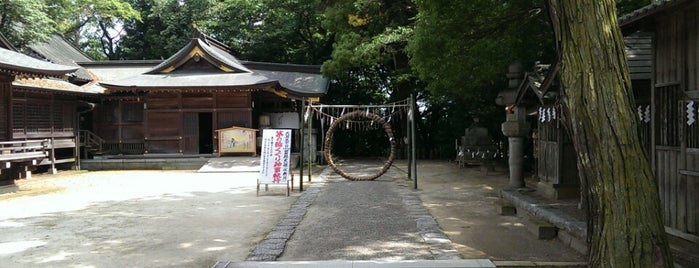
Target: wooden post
311 151
303 104
411 116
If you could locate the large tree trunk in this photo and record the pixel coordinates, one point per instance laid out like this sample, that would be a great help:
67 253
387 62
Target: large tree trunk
625 227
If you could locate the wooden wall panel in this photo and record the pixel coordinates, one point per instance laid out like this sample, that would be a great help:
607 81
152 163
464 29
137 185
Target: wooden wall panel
692 48
5 100
548 161
233 100
668 51
163 100
163 124
669 186
197 100
132 133
693 191
162 146
241 118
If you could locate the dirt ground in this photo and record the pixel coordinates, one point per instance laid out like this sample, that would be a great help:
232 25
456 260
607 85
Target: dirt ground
136 219
462 200
189 219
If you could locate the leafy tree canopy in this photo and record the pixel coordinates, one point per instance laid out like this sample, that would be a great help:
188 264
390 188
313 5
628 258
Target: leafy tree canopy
25 21
465 47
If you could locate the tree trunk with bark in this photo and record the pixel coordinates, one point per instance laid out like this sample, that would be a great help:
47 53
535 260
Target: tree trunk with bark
625 227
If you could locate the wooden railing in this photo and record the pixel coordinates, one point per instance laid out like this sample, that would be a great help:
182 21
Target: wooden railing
22 151
125 148
90 140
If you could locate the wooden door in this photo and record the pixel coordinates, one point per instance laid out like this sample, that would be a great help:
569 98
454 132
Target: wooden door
190 129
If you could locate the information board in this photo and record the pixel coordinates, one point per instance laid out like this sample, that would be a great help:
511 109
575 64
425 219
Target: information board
275 157
236 140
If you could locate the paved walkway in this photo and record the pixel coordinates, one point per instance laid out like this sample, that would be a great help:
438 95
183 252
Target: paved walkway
451 217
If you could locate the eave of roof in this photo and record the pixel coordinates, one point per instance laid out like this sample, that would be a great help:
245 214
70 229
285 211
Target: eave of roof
149 82
642 13
53 85
19 64
302 80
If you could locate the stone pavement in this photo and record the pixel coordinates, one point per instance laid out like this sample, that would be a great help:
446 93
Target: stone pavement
449 220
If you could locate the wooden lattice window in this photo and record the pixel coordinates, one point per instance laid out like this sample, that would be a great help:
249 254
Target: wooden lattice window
667 115
132 112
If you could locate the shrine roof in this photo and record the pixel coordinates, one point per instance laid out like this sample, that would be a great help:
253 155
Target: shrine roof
58 50
645 12
56 85
305 80
169 81
206 63
19 64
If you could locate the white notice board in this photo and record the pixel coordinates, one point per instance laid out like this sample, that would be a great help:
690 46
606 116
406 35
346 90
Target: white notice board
275 157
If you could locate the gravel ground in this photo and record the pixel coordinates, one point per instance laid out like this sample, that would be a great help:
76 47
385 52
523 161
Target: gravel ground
135 219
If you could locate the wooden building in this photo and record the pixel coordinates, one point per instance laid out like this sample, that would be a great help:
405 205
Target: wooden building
662 51
554 154
673 126
38 113
176 106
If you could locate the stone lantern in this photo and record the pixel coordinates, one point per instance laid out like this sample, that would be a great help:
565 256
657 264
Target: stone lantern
515 127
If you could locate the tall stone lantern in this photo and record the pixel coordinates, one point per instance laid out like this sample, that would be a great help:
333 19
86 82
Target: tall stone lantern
515 127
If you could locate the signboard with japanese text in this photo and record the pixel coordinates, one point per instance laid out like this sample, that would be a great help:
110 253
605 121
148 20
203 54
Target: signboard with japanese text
276 156
237 140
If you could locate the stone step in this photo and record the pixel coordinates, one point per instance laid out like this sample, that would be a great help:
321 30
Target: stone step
538 264
505 208
542 229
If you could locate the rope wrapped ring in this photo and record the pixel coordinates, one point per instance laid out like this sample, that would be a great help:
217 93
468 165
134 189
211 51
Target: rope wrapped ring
329 144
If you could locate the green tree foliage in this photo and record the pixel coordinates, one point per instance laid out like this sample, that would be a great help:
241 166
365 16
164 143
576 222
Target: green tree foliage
143 39
275 30
93 25
465 47
462 51
25 21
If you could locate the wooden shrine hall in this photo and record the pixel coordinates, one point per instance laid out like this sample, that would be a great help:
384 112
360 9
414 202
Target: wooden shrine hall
177 106
146 108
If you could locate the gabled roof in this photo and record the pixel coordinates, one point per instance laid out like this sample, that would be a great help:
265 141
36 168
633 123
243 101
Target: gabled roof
58 50
18 64
205 63
201 47
532 86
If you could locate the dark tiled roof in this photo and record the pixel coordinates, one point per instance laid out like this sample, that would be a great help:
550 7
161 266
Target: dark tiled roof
653 8
228 73
16 63
221 59
298 79
52 84
58 50
189 80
